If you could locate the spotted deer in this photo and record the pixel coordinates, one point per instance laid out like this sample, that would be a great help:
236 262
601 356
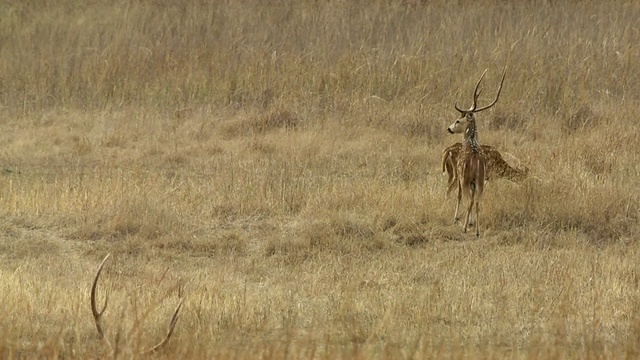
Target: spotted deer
497 167
471 165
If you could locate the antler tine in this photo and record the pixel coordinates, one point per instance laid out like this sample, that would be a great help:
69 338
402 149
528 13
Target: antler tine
476 96
98 314
172 325
476 93
460 110
497 96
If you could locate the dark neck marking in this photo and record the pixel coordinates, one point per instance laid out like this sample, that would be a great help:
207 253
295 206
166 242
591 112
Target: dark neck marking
471 134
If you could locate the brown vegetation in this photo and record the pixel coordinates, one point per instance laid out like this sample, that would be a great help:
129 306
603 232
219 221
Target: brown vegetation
277 166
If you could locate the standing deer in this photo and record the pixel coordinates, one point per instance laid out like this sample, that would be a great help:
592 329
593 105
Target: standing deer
472 164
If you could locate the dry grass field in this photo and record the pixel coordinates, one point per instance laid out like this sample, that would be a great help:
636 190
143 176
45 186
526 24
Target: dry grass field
276 166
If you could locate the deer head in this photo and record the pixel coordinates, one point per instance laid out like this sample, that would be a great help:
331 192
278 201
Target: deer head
460 125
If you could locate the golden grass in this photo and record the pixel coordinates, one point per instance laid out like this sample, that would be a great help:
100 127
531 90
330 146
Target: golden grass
278 167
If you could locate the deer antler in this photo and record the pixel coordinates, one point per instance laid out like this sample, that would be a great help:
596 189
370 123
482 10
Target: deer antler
172 325
476 95
463 112
97 315
497 96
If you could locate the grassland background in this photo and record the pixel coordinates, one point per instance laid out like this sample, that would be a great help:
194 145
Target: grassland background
277 166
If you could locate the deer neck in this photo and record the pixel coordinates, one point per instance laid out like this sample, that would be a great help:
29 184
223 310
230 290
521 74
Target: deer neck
471 135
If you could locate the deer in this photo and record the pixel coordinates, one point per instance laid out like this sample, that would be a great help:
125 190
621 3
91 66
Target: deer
97 314
471 165
497 167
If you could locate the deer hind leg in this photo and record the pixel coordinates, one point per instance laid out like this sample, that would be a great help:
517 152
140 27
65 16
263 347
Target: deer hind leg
478 198
451 186
478 194
478 218
472 196
456 218
452 182
448 166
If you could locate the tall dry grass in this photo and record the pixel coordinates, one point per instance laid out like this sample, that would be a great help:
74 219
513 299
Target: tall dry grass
277 166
